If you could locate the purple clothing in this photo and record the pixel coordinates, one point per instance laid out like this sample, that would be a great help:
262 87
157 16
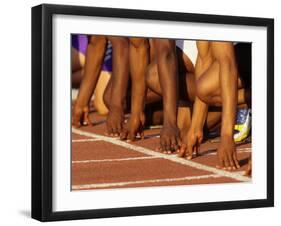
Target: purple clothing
80 42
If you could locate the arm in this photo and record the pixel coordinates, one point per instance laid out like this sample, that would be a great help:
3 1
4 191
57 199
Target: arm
120 76
138 64
168 78
194 136
228 76
94 59
224 54
139 58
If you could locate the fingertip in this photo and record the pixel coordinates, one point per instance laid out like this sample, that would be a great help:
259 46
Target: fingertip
181 153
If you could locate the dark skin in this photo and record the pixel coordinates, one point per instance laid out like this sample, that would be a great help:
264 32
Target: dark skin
118 83
139 59
165 54
94 58
216 76
186 94
116 89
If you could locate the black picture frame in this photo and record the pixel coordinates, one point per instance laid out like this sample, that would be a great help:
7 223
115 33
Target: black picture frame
42 111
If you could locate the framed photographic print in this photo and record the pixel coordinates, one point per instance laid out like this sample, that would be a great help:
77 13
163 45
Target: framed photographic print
146 112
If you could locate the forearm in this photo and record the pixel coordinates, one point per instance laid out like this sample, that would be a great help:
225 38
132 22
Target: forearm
168 77
120 74
199 114
228 84
119 90
139 58
200 108
94 59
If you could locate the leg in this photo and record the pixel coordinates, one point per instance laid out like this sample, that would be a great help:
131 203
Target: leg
98 102
77 65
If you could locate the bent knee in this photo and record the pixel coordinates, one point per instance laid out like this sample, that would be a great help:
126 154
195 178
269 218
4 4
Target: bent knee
151 74
97 40
138 42
202 92
119 42
164 47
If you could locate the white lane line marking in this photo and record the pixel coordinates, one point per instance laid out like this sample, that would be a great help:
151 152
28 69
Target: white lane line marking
121 184
182 161
212 152
136 158
114 160
84 140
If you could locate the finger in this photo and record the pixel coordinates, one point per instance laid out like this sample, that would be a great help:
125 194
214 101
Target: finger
76 123
132 136
220 162
182 151
142 135
165 148
174 144
161 148
86 120
119 129
236 162
189 151
109 130
168 145
196 149
231 163
114 130
226 163
124 134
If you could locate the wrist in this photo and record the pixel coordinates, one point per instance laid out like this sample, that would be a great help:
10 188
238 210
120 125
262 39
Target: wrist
195 127
136 113
115 107
226 135
169 123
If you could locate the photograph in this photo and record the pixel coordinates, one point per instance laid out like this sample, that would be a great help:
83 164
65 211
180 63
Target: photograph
138 112
159 112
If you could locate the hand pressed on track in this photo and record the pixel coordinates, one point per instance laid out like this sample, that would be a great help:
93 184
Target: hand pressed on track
114 121
226 153
191 141
169 139
80 116
134 127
